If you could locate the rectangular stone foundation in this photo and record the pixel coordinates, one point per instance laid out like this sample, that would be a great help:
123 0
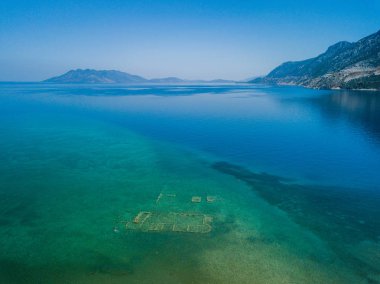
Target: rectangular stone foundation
170 222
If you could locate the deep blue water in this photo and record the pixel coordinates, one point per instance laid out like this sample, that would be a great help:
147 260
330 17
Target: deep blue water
320 136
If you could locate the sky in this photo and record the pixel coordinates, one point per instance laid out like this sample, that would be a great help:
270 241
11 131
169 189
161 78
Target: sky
191 39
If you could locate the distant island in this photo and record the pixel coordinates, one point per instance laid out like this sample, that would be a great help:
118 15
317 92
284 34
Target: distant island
344 65
91 76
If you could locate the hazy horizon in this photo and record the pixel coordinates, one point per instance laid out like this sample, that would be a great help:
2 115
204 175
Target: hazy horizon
204 40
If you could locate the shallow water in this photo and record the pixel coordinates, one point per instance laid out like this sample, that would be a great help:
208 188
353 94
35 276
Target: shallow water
294 174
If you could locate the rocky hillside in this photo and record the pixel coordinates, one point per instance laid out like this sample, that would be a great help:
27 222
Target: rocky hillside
344 65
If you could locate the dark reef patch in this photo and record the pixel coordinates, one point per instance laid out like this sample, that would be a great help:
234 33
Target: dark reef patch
340 216
349 213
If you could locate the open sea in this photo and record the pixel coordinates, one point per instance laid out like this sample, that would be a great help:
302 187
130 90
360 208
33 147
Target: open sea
188 184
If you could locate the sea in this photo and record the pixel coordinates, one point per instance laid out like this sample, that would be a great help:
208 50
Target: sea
177 184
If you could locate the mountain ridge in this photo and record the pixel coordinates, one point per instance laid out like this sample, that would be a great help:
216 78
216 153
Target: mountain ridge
344 65
92 76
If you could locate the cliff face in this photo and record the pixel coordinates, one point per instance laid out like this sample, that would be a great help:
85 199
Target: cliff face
344 65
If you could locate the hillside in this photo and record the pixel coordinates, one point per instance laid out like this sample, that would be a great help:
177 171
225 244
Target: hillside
344 65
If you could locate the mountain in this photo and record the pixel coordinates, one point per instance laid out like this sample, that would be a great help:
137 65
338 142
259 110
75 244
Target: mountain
90 76
344 65
168 80
219 81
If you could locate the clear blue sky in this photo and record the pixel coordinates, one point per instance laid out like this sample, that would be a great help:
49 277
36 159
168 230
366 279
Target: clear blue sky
190 38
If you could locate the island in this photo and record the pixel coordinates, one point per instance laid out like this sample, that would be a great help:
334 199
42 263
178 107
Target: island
91 76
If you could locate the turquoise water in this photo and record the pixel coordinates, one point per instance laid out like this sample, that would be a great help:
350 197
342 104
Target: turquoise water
293 176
